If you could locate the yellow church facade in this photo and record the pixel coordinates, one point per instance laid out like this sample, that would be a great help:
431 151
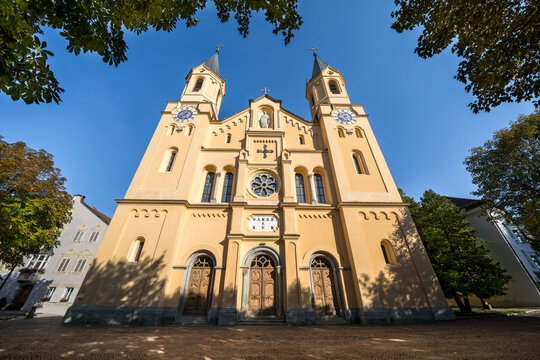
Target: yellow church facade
261 217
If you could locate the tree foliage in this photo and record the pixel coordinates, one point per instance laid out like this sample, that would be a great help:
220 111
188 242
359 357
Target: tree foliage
506 170
98 26
33 202
497 39
461 263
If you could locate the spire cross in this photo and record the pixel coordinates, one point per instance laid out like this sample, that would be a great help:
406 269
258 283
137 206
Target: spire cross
314 49
219 46
265 90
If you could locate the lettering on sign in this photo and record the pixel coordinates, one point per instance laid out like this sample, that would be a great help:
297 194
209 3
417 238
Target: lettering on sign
262 223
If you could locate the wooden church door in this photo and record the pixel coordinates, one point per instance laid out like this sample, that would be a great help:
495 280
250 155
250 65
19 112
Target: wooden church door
262 287
199 287
324 289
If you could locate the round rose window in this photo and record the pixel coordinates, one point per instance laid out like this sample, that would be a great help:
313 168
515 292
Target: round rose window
264 185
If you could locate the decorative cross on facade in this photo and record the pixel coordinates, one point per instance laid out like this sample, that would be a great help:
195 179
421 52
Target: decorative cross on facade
219 46
265 151
265 90
314 49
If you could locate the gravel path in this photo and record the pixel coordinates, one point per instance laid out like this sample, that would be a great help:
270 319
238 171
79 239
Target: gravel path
498 337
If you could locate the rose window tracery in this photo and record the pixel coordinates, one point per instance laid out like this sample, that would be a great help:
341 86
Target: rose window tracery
264 185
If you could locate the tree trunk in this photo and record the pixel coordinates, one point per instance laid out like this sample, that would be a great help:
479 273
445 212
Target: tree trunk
459 303
468 308
485 305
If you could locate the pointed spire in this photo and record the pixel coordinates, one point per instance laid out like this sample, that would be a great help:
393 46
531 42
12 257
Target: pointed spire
213 62
318 64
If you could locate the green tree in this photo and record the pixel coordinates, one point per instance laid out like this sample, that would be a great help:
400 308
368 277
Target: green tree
497 40
98 26
462 265
506 170
33 202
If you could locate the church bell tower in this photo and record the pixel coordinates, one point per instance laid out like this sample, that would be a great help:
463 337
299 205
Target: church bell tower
204 84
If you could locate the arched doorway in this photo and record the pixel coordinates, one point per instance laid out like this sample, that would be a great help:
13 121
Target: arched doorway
199 286
262 286
325 299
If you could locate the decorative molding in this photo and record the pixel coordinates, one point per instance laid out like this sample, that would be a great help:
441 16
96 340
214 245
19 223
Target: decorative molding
208 215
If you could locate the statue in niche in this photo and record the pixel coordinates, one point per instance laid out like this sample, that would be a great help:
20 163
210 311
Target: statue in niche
264 120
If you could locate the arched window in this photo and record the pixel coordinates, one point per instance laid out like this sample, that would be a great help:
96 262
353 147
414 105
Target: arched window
359 164
388 253
312 99
227 187
301 139
136 250
300 190
358 132
334 89
198 84
319 189
170 130
208 187
171 161
340 132
228 139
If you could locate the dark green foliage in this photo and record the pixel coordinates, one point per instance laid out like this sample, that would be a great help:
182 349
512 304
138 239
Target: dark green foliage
506 170
98 26
498 40
33 202
460 262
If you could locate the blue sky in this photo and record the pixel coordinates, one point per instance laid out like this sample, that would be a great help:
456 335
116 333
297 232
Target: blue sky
419 113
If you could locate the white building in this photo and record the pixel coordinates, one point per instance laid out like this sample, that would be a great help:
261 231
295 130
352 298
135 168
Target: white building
508 246
63 267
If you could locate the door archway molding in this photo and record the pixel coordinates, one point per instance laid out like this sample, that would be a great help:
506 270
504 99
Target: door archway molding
337 281
187 276
246 265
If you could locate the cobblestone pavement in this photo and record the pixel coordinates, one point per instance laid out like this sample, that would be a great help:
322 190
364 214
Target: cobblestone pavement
497 337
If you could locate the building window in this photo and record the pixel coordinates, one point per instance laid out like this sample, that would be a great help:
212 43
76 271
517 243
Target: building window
358 132
388 253
228 139
80 266
93 236
48 294
136 251
319 189
38 261
518 235
208 187
67 294
334 89
359 164
300 189
341 133
301 140
227 188
63 265
198 84
536 261
78 236
170 130
171 161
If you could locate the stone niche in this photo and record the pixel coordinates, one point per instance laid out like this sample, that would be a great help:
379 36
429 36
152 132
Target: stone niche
264 118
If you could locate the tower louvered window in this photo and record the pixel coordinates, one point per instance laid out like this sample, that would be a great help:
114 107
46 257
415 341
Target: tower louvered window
198 84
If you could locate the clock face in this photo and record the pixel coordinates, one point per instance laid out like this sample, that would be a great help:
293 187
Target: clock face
184 114
344 116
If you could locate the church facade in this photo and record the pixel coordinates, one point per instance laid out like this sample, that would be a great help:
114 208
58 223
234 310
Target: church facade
261 217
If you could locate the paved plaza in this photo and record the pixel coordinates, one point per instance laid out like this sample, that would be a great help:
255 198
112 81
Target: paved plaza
497 337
